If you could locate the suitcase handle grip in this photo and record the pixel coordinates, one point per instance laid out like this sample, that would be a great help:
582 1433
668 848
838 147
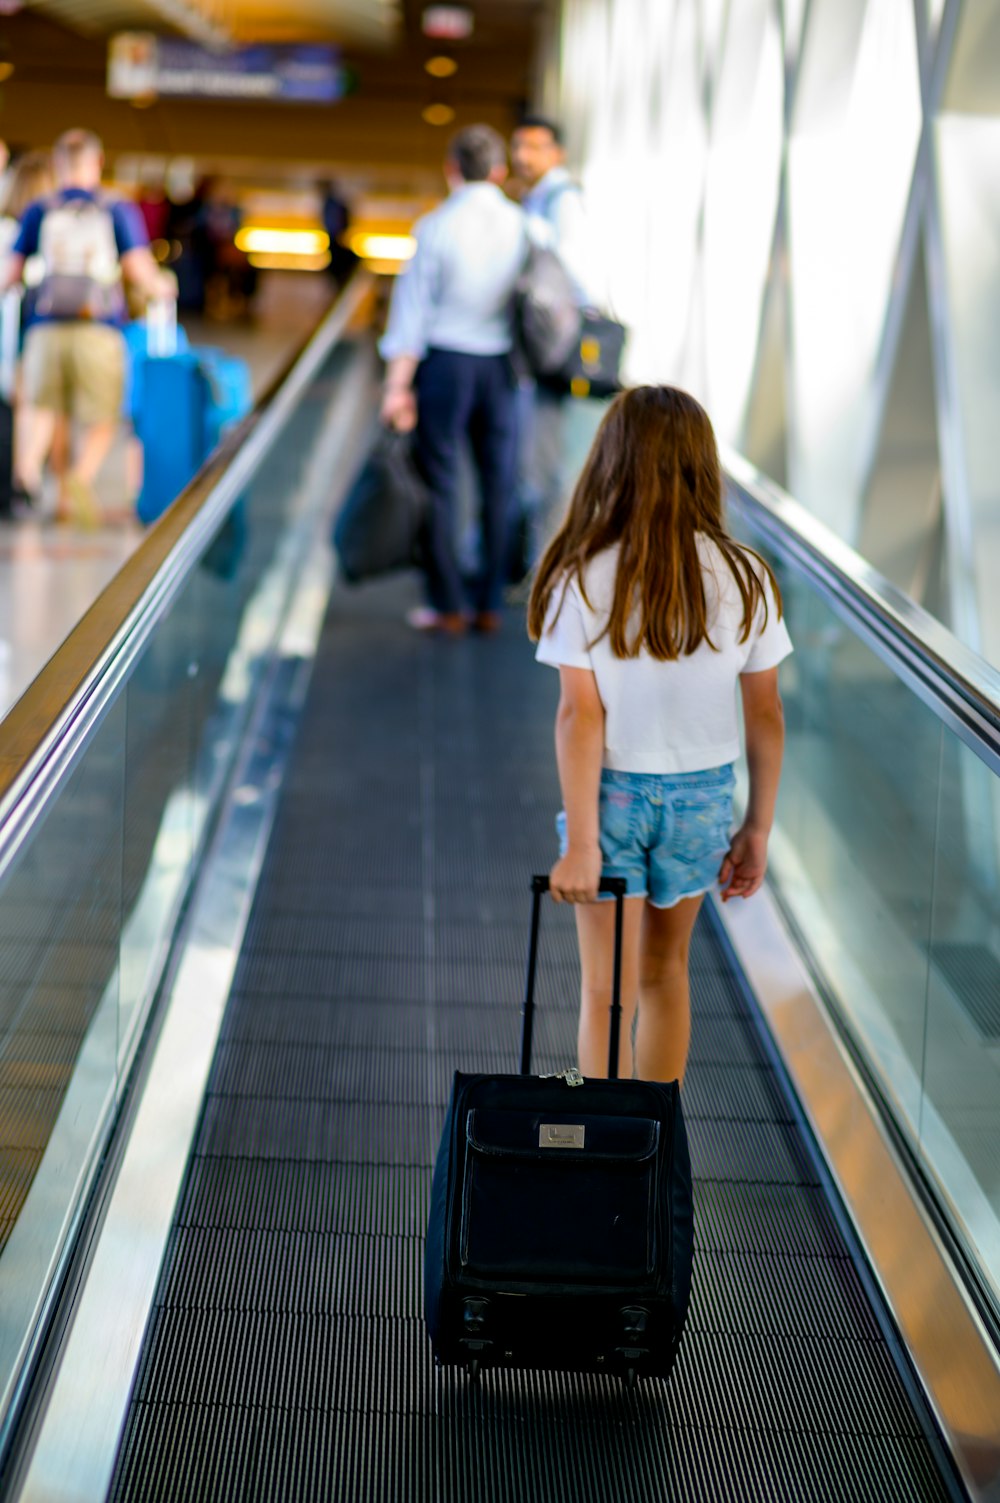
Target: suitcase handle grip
161 327
539 886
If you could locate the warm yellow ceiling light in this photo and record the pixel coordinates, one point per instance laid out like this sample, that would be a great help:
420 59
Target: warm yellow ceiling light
259 239
438 114
279 261
441 67
375 247
6 71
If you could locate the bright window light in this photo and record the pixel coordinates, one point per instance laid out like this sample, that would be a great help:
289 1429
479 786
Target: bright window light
265 239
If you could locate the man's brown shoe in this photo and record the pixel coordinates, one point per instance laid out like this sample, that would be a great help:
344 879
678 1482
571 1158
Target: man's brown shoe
488 623
445 623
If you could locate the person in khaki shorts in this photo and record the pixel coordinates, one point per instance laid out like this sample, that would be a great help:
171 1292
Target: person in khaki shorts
74 353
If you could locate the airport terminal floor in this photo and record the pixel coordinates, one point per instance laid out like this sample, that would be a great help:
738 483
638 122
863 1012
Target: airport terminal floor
264 886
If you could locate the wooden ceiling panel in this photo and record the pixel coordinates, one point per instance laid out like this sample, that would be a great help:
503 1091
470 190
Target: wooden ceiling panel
364 22
375 136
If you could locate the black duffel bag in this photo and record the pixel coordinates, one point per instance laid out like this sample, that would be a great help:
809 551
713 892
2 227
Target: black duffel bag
380 526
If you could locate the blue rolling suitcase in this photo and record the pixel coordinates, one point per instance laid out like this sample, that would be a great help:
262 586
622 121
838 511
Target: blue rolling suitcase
138 340
560 1229
183 403
171 426
230 393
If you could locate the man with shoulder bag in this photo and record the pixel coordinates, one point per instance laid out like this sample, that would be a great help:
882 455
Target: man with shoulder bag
448 373
557 219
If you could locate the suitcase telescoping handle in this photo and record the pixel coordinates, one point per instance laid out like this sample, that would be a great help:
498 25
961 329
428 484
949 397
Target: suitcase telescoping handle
161 327
10 331
540 886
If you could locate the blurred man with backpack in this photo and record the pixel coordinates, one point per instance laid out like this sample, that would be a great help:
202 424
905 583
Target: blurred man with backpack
74 355
554 206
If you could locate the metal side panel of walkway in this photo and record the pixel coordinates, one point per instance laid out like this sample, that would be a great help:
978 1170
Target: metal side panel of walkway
286 1356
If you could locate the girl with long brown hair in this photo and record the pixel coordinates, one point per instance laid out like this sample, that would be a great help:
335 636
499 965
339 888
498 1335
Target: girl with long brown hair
653 615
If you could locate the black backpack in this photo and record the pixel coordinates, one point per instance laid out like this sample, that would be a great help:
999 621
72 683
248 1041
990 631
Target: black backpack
547 320
593 365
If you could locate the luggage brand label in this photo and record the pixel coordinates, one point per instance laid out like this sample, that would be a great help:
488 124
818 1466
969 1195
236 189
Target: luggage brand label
561 1135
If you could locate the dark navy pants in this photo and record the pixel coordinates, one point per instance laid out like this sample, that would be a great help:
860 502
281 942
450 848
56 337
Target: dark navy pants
466 397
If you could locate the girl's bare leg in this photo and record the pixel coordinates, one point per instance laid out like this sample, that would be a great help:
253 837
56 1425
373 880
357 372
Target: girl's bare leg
595 928
663 1032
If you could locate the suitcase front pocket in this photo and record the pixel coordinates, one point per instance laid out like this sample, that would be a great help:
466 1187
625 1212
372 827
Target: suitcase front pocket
555 1198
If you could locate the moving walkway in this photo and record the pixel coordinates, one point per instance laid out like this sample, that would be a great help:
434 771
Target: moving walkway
264 859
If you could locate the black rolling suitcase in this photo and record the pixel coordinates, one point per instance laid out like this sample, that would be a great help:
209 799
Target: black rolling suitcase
560 1229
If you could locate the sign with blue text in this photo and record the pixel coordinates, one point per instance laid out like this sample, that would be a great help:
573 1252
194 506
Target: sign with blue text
142 66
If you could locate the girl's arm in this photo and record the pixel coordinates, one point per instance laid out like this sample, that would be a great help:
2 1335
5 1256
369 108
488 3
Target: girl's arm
743 870
579 755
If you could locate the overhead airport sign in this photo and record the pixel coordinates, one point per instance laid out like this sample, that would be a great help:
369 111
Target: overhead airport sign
143 66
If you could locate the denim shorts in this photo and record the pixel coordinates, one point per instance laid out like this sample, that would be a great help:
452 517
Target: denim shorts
665 833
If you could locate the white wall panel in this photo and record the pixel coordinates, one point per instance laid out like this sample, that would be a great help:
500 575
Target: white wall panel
850 164
770 184
741 200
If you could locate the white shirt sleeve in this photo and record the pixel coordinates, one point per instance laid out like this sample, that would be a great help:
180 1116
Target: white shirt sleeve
413 299
563 643
769 643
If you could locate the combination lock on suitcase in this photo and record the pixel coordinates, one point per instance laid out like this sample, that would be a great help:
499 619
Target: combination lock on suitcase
560 1228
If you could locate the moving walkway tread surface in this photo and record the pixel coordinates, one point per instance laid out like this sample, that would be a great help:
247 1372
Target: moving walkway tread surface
285 1355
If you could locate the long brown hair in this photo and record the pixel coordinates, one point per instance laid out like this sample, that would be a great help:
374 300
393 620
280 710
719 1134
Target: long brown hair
651 481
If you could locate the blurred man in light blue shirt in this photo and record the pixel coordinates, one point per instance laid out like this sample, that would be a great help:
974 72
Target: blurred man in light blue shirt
447 348
557 218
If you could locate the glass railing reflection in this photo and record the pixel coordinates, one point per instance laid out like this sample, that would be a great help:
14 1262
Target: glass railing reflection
885 859
89 905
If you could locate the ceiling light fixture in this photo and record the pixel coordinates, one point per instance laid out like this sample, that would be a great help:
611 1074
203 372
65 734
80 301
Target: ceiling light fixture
278 261
441 67
454 22
372 246
438 114
269 240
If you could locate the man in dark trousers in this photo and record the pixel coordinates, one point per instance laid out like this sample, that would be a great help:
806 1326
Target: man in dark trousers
447 348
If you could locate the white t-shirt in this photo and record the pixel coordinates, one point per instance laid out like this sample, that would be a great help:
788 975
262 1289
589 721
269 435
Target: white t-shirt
665 717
